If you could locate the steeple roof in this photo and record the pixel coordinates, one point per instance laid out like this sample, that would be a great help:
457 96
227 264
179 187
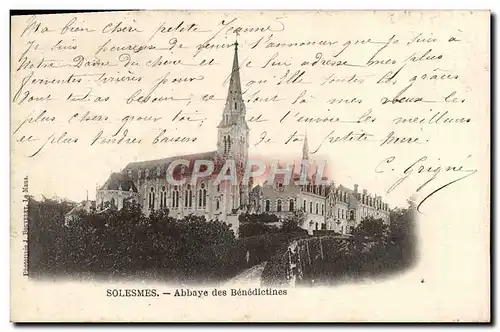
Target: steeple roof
235 81
305 149
234 109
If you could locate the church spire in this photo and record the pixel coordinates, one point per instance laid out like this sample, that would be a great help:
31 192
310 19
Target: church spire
233 130
305 149
234 109
235 82
304 165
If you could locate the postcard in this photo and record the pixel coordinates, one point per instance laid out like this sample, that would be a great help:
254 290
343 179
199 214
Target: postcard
247 166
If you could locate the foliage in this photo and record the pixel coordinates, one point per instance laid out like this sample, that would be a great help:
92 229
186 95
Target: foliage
258 218
374 249
291 224
46 229
258 224
255 229
125 243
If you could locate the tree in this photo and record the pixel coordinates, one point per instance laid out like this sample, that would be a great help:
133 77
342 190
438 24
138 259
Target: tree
255 228
258 217
402 233
370 234
292 223
125 243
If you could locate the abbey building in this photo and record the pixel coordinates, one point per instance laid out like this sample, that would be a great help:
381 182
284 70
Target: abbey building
327 206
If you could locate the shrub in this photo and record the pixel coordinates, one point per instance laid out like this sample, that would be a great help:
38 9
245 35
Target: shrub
125 242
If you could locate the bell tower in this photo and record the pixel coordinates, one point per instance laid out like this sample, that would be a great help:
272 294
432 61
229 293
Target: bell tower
233 130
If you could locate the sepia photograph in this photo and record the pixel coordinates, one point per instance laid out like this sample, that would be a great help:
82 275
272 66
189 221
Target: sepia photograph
250 161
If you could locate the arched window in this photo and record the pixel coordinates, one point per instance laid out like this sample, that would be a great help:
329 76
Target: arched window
317 208
268 205
113 203
290 205
152 199
188 197
310 207
278 205
175 197
202 197
163 198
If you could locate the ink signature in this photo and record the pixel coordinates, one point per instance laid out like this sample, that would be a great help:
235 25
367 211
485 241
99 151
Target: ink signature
423 167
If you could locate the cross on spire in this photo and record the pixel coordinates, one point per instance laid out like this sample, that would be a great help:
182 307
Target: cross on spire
236 39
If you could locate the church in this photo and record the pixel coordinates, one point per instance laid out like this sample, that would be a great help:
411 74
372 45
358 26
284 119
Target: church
325 207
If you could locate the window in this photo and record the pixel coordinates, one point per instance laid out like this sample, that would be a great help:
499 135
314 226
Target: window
218 187
338 213
202 197
290 205
342 213
163 198
217 204
310 207
278 205
188 197
175 197
235 105
322 209
352 214
317 208
268 205
152 199
304 207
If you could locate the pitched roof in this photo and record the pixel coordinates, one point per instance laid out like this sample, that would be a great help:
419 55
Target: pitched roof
119 180
345 189
164 162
